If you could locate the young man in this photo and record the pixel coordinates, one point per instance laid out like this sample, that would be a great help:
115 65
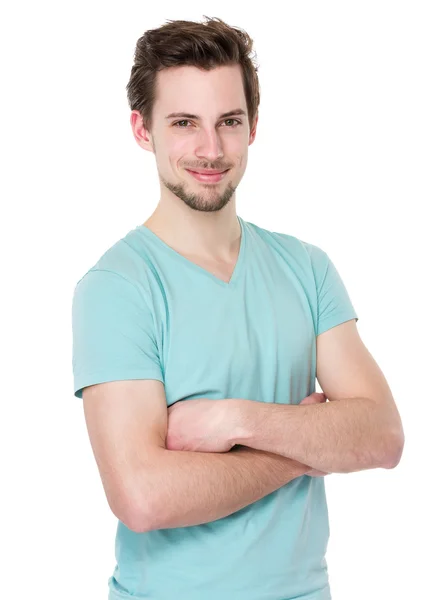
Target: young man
197 340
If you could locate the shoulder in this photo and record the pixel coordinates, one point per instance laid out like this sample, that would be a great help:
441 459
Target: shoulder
121 261
294 245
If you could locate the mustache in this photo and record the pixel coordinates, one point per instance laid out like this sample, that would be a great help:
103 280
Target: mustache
208 167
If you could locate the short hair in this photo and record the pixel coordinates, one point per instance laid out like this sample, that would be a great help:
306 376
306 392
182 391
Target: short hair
205 45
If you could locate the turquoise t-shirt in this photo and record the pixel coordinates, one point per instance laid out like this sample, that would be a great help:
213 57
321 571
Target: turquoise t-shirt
144 311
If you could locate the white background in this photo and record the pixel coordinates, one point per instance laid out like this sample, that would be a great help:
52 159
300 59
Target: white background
351 155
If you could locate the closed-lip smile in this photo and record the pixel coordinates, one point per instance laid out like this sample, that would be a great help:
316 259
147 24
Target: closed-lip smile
207 171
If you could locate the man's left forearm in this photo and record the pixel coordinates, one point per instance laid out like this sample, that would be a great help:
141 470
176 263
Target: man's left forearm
341 436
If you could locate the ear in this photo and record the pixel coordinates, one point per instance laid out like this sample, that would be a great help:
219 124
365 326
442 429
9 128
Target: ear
253 131
141 135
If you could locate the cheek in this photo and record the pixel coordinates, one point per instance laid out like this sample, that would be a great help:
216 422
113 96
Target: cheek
180 152
182 145
241 161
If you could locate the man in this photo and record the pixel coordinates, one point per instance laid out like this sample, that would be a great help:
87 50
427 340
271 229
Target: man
197 339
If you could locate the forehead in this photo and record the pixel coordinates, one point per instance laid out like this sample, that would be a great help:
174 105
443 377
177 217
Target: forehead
195 90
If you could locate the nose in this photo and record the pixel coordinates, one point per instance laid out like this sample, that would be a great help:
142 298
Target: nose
209 145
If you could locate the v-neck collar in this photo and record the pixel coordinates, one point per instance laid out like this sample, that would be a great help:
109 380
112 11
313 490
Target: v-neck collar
238 265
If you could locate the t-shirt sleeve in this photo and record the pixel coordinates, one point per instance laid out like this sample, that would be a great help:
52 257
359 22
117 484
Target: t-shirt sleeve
113 331
334 305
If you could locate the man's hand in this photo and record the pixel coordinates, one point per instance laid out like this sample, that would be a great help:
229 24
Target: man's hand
203 425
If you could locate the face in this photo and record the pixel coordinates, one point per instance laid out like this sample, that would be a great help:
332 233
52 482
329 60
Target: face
199 137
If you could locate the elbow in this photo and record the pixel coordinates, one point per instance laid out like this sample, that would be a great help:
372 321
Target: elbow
139 522
146 507
147 514
396 452
143 508
134 522
134 517
137 525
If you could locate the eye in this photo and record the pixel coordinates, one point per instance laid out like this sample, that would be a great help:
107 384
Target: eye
176 124
184 121
236 121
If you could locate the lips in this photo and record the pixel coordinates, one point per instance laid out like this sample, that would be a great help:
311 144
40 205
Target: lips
208 176
206 171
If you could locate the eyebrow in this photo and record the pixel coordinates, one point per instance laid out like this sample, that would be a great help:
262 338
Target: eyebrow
237 111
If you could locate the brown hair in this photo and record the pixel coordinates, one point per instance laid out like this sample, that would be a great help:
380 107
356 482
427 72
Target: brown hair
204 45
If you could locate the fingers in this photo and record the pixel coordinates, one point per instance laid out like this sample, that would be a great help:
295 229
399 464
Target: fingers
314 398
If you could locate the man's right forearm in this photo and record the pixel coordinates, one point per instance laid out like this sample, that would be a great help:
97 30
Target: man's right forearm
190 488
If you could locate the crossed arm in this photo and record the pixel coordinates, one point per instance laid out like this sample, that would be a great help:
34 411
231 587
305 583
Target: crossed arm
358 429
200 487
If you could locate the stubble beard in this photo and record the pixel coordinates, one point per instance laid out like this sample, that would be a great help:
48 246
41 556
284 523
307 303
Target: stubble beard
209 202
197 201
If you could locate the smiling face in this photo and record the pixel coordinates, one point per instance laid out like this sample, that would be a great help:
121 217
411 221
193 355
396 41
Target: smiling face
199 121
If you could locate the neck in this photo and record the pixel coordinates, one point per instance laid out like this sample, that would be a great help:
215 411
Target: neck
209 235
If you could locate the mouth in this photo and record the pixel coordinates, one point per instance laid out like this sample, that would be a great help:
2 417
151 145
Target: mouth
208 177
